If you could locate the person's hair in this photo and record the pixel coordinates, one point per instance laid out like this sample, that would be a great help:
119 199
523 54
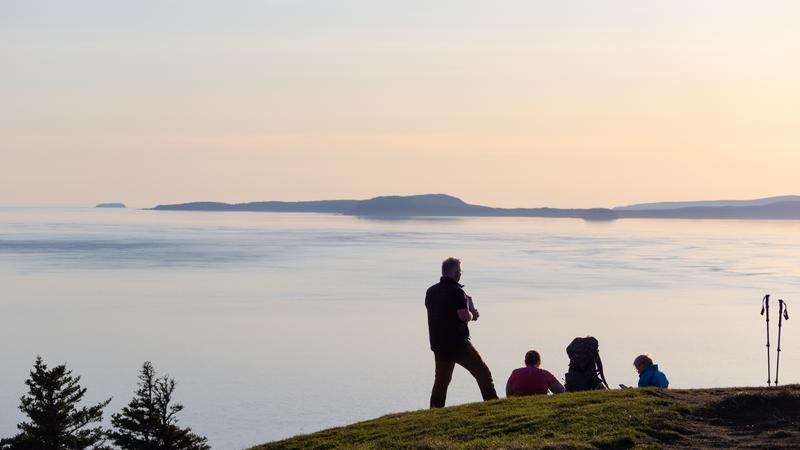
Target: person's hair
643 360
449 265
532 358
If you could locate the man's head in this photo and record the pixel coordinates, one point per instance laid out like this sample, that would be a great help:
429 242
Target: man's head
532 359
642 362
451 268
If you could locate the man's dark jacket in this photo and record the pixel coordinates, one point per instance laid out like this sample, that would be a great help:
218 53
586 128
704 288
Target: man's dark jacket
446 331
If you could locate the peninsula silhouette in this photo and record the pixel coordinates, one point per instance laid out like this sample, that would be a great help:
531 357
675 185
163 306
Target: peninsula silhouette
442 205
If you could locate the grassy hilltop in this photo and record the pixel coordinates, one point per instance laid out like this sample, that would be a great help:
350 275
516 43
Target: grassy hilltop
642 418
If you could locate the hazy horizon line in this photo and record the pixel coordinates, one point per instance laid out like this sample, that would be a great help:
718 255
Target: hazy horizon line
141 207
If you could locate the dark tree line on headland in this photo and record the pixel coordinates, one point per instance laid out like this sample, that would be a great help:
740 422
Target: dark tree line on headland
57 421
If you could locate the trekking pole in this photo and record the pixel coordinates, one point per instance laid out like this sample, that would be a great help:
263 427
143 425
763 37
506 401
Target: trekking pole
765 307
600 371
783 313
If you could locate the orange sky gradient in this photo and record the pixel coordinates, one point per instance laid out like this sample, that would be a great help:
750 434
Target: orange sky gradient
564 104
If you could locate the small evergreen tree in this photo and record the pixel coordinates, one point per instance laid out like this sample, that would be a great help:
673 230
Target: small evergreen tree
56 422
149 421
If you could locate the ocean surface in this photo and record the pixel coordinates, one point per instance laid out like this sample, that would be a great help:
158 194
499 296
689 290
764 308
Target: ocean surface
280 324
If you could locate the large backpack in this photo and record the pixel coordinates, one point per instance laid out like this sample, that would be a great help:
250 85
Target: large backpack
585 367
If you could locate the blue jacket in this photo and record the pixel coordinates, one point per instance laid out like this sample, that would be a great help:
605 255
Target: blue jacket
653 377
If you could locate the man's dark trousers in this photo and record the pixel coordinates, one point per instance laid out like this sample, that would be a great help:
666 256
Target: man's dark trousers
468 358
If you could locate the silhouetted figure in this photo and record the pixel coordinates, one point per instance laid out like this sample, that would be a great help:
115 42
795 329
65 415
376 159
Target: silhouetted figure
449 311
531 380
649 375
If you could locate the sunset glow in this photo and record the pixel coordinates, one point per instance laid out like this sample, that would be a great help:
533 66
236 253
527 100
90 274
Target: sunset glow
569 104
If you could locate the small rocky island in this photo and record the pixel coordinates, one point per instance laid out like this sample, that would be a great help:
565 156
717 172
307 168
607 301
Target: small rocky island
110 205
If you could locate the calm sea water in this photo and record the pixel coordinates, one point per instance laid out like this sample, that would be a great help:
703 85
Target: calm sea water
279 324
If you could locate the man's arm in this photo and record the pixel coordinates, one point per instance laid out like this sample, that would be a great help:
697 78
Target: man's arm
556 387
471 307
461 305
508 387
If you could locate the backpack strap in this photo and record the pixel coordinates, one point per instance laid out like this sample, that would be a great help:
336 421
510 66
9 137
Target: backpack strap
600 369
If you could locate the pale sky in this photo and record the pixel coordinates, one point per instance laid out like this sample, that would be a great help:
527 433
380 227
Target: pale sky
506 103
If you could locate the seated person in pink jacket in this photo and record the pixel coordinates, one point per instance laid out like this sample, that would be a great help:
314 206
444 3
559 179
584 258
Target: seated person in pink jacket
531 380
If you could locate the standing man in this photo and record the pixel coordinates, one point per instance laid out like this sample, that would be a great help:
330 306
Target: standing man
449 311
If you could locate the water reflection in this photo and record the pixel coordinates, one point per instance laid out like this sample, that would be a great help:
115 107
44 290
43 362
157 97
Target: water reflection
271 321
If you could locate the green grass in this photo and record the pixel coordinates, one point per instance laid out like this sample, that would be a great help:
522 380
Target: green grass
600 419
617 419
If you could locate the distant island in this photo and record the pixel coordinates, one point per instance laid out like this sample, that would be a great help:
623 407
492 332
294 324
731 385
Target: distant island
442 205
709 203
110 205
428 205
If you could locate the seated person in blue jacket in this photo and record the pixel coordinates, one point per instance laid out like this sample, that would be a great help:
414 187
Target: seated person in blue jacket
649 375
